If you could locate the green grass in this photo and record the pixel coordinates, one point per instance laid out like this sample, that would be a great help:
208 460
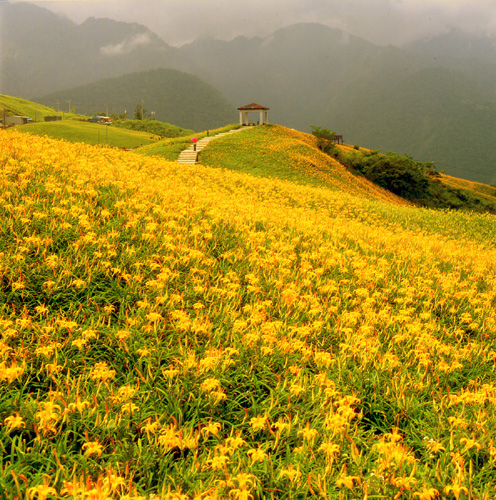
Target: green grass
164 130
171 148
262 152
35 111
90 133
276 152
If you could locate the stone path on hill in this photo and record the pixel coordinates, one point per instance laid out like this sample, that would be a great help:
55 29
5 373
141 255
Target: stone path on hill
191 156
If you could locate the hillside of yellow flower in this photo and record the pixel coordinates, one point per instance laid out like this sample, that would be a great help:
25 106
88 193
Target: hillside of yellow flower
481 190
189 332
278 152
273 151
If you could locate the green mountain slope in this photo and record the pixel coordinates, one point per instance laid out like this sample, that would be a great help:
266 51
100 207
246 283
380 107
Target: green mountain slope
435 114
174 97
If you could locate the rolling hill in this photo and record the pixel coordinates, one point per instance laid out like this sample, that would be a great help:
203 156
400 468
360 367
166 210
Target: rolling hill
273 151
18 106
90 133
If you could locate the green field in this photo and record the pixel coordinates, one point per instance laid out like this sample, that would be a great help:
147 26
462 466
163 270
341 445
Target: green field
71 128
90 133
23 107
169 149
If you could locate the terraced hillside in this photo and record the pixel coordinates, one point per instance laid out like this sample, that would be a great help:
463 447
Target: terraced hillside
183 332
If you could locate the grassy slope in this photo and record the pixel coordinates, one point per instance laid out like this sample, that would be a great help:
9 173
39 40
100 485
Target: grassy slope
169 149
90 133
476 188
171 328
155 127
34 110
281 153
24 107
71 130
278 152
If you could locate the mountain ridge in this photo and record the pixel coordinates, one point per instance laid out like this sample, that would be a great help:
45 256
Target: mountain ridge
67 54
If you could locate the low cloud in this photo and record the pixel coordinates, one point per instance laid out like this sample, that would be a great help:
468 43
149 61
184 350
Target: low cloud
126 46
379 21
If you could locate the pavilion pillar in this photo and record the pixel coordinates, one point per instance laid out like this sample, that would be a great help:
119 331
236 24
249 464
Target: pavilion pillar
244 112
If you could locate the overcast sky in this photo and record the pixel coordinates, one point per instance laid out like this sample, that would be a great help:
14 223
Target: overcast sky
379 21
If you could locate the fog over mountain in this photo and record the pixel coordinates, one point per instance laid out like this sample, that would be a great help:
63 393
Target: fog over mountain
382 22
431 94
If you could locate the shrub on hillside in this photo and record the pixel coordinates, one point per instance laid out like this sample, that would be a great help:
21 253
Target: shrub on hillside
413 180
325 139
153 127
399 174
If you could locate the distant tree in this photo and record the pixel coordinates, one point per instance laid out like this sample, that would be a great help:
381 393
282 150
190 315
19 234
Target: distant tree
141 113
325 138
118 116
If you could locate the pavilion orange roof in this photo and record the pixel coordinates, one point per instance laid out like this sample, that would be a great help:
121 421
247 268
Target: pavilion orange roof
253 105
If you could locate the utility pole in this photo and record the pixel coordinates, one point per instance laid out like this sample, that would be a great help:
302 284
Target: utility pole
106 110
69 101
142 109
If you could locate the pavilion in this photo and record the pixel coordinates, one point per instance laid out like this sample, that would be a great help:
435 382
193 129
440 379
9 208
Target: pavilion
253 108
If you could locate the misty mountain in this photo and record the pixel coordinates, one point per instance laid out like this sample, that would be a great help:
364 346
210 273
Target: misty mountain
42 52
455 45
434 114
298 71
174 97
475 56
